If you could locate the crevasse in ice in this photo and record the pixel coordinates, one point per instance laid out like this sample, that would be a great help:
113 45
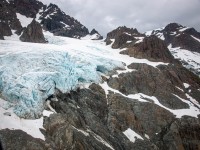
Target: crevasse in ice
28 78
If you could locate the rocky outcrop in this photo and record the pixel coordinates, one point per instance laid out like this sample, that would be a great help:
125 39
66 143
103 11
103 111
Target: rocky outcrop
33 33
28 8
1 35
180 134
60 24
121 36
179 36
8 18
17 139
160 82
95 35
152 48
79 121
5 29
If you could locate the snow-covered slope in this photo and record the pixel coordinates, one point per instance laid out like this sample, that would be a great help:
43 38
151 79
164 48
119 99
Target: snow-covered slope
190 60
31 72
183 42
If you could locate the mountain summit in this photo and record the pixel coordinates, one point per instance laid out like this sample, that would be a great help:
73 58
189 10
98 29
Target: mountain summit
17 14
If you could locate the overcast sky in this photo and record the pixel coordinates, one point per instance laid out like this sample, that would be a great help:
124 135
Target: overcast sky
106 15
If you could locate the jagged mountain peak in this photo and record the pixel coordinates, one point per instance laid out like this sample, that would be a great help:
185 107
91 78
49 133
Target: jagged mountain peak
51 17
123 36
94 31
121 30
171 27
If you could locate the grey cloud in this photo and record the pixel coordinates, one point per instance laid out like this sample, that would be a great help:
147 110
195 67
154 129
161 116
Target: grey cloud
144 15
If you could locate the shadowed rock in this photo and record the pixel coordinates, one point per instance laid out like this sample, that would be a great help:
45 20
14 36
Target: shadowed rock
5 29
60 24
180 134
33 33
152 48
17 139
160 82
180 36
8 18
1 34
96 33
121 35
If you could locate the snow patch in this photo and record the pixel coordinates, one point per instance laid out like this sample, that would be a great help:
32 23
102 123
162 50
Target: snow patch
183 29
13 122
100 139
47 113
195 38
186 85
82 131
24 20
132 135
192 111
190 60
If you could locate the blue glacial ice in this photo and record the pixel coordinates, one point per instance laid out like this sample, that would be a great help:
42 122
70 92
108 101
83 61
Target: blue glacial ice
28 78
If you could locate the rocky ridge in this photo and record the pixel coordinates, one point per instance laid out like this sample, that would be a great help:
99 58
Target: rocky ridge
33 33
50 17
183 42
179 36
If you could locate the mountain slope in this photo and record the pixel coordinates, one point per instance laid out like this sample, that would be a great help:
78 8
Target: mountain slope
183 42
129 92
17 14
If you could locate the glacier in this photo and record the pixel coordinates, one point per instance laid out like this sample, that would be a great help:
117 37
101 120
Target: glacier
28 76
31 72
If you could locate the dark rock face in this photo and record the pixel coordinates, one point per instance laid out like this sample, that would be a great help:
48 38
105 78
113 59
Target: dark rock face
1 34
152 48
5 29
51 18
180 36
28 8
121 35
8 18
85 116
121 40
94 32
17 139
33 33
146 118
57 22
98 36
159 82
181 134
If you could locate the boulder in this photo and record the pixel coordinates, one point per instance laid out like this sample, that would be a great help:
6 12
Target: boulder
33 33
